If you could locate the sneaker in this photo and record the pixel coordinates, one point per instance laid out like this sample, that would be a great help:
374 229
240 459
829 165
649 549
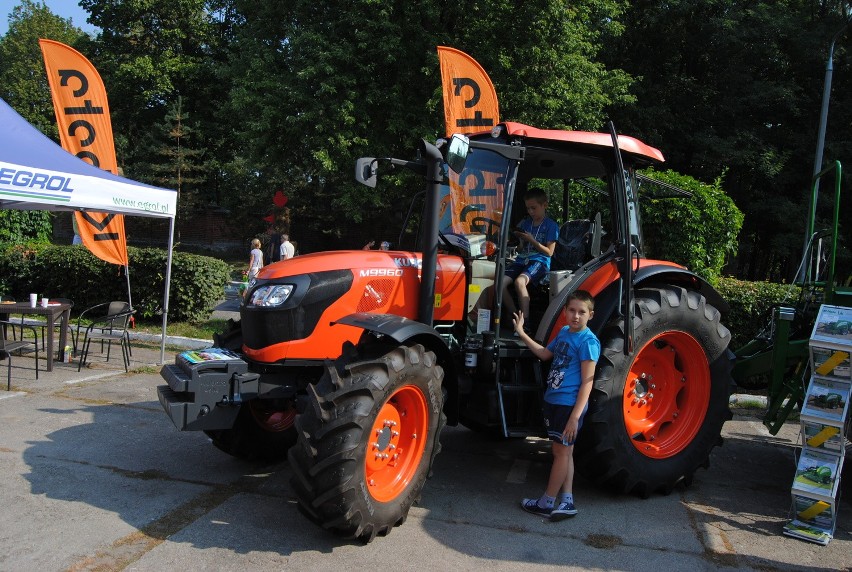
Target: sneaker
562 511
531 506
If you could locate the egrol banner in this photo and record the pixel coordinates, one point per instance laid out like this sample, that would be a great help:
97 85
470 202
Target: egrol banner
85 129
470 102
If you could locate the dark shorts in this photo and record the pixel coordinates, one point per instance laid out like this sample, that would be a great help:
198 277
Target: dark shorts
535 270
556 418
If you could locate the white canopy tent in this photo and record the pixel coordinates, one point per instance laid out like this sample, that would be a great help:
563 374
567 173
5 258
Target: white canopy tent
38 174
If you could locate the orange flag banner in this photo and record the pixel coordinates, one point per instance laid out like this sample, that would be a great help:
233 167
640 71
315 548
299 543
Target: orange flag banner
470 102
85 129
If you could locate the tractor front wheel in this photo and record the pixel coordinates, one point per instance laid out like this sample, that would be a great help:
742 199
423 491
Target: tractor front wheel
655 414
367 439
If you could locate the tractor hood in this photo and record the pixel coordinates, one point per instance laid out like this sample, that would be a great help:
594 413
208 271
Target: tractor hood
290 306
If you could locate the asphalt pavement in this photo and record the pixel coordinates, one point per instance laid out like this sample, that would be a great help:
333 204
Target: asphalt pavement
96 477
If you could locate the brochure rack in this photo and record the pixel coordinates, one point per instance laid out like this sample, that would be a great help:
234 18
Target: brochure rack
824 422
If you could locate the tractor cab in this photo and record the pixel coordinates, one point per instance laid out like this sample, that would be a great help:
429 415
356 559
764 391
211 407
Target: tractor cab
482 201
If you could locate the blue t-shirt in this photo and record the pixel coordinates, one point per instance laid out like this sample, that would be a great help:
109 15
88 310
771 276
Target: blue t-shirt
569 351
545 233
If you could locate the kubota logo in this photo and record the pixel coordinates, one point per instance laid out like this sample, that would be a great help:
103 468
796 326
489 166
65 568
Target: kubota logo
408 262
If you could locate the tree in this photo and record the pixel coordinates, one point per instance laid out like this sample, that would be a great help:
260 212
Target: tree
174 161
732 88
23 85
23 82
149 52
544 58
317 85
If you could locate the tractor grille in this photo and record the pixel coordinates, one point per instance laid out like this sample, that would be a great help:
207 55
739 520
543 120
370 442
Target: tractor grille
296 319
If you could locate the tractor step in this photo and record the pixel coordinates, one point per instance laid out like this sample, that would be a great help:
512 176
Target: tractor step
520 388
519 432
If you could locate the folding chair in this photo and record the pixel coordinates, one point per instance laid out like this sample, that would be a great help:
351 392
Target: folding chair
108 328
9 346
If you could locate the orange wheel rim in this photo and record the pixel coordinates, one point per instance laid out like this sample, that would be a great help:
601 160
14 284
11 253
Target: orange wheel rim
666 395
396 443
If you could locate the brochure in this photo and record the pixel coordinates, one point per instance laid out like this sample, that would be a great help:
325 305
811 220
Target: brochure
207 355
826 399
819 435
833 327
831 362
804 531
817 474
814 512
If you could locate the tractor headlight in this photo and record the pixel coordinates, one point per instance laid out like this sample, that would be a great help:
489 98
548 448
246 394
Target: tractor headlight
271 295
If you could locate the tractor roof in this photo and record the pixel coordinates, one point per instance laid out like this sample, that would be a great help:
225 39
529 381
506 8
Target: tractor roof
630 145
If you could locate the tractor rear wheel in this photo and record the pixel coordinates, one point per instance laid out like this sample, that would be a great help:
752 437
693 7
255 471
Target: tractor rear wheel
263 431
655 415
367 439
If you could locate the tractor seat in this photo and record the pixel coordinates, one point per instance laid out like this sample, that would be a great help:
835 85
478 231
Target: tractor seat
575 244
578 242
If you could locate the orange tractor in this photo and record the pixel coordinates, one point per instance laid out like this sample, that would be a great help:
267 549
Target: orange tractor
351 363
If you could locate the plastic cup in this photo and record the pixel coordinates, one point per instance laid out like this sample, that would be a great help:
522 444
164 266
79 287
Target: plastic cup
33 300
44 302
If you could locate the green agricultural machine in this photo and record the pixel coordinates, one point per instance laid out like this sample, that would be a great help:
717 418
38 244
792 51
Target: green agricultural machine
818 474
777 359
840 327
828 401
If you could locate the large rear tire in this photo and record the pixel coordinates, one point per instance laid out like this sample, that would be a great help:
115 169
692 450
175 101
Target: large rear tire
263 431
655 415
367 439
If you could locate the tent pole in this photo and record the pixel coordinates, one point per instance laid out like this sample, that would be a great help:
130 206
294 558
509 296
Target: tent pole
168 285
127 274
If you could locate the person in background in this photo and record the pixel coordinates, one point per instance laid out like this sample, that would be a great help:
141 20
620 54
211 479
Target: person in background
287 249
255 259
385 245
273 254
77 239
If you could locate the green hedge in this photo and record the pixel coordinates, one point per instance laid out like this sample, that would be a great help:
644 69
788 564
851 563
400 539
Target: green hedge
698 231
197 282
751 305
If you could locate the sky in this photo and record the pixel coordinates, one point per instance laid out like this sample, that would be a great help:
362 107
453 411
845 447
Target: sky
62 8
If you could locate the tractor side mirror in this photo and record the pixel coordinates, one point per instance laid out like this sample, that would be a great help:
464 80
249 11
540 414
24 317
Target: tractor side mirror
365 171
457 152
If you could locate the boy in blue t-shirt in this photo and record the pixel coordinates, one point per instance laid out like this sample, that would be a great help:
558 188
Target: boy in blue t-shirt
537 235
575 351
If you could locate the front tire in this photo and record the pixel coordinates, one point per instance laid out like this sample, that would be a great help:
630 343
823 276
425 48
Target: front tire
367 440
655 415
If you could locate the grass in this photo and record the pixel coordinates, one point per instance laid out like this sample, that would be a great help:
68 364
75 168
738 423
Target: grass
202 330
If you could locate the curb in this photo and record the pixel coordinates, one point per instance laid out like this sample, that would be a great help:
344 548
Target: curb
746 400
182 342
187 343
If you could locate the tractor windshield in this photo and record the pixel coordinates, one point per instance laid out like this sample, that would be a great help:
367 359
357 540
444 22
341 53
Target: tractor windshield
472 201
